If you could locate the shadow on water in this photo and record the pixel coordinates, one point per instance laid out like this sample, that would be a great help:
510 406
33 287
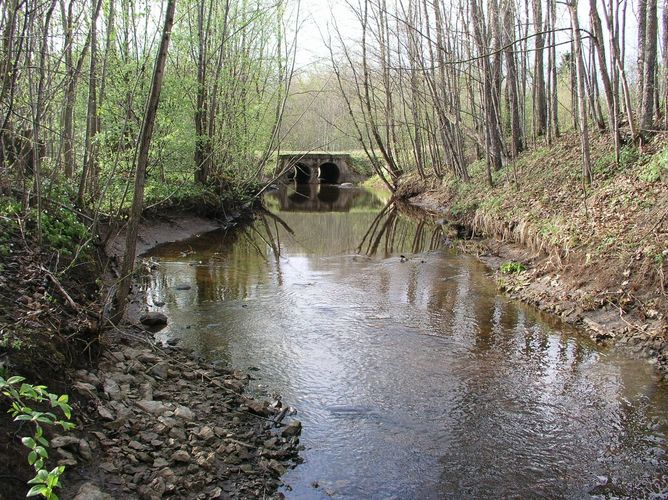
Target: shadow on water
412 376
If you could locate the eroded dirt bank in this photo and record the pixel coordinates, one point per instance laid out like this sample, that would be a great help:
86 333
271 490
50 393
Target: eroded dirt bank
151 421
598 261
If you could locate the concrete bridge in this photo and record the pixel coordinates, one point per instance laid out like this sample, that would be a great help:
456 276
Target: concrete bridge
317 168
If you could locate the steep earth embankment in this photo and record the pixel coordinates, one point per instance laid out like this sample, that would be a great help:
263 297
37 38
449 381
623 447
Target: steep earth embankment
150 420
596 256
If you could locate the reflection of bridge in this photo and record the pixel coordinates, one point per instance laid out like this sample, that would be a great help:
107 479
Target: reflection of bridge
313 198
314 168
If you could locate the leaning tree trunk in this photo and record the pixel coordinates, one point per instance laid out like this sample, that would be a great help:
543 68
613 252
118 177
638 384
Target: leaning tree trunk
142 162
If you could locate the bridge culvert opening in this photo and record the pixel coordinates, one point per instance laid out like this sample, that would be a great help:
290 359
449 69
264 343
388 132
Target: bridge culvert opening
302 174
329 173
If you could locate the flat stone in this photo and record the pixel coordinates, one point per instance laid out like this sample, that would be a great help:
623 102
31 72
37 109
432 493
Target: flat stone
136 445
181 456
258 408
152 407
112 389
89 491
62 441
153 318
206 433
85 389
84 450
184 412
160 370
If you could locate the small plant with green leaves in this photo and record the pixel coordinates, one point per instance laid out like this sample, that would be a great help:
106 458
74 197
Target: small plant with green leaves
512 268
20 394
657 167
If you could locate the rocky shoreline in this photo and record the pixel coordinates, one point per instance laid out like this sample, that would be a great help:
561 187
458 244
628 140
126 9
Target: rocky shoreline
157 421
160 422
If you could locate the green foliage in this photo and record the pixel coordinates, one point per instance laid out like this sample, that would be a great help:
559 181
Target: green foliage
512 268
20 394
62 230
362 165
492 203
655 168
9 209
605 165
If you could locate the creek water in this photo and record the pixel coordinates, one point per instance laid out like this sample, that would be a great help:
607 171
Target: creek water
412 376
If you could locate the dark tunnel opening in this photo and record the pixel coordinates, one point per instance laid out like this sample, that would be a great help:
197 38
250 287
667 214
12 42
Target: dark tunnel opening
329 173
302 174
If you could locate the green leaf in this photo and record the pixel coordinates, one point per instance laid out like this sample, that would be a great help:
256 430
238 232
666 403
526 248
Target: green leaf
28 442
15 380
38 489
32 457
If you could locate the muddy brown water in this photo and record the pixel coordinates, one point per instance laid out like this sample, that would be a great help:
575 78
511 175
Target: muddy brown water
412 376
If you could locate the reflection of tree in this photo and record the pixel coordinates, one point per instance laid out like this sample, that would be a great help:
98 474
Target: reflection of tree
400 229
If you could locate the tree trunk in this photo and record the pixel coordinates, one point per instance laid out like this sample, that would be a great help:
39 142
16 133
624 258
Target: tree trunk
540 102
649 67
142 162
517 139
89 174
582 99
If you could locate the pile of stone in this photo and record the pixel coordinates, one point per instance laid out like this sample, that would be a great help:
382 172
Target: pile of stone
165 424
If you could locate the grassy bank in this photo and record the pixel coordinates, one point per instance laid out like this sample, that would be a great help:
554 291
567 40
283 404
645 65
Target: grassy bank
606 244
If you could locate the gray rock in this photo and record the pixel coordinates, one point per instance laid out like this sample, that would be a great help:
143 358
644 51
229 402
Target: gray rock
88 491
85 389
184 412
63 441
84 450
181 456
294 428
160 370
153 318
152 407
206 433
112 389
177 433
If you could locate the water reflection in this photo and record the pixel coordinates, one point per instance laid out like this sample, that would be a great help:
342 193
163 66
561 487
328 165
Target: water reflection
322 198
413 378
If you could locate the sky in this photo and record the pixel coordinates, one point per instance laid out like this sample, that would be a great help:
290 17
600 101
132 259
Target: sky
317 17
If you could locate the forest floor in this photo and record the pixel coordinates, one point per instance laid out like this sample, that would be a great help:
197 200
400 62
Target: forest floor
598 258
150 420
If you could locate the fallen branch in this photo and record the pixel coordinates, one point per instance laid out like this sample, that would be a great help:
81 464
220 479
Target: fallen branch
60 288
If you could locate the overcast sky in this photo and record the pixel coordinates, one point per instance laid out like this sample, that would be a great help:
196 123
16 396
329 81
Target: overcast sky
317 17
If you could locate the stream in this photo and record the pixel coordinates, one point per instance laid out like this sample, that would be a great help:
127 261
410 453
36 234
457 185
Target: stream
413 377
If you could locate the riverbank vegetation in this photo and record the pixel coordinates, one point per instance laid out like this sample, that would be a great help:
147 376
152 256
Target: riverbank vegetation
110 109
